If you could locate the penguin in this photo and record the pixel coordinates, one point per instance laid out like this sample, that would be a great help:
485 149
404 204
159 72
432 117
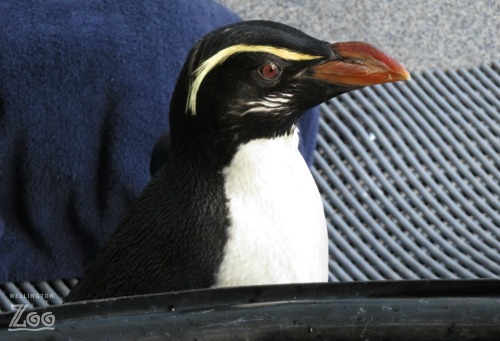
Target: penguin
236 204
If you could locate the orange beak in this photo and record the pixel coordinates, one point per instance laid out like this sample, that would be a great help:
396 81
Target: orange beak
359 64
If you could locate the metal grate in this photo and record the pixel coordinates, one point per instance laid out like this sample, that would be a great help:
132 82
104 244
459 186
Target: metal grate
410 177
36 294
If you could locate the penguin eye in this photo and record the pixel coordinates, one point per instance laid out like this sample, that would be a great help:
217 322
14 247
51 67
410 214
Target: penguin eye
270 71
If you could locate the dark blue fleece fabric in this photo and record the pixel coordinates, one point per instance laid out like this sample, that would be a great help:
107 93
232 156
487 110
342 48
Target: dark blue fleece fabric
85 87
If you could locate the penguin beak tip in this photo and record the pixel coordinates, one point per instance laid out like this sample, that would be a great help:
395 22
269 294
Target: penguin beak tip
359 64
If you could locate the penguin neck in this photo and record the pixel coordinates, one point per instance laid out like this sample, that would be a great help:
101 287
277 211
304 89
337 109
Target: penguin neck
277 153
219 147
262 146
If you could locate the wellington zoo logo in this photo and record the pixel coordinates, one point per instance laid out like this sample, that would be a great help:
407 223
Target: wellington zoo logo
32 321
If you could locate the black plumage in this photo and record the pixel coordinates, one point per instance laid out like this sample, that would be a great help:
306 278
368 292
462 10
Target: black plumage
161 153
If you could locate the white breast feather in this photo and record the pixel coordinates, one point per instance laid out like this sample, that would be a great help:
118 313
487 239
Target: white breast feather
277 230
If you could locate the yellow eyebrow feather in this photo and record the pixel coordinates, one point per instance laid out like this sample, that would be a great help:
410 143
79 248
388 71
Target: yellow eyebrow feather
218 58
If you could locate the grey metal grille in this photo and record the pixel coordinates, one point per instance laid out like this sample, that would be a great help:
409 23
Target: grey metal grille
410 177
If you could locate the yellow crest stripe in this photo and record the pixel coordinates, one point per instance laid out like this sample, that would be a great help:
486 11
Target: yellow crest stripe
218 58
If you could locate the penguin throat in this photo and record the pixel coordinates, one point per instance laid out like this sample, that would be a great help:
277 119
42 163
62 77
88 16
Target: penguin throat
276 153
229 143
288 139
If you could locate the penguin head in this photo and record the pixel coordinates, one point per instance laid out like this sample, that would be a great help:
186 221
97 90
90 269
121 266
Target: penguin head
255 79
